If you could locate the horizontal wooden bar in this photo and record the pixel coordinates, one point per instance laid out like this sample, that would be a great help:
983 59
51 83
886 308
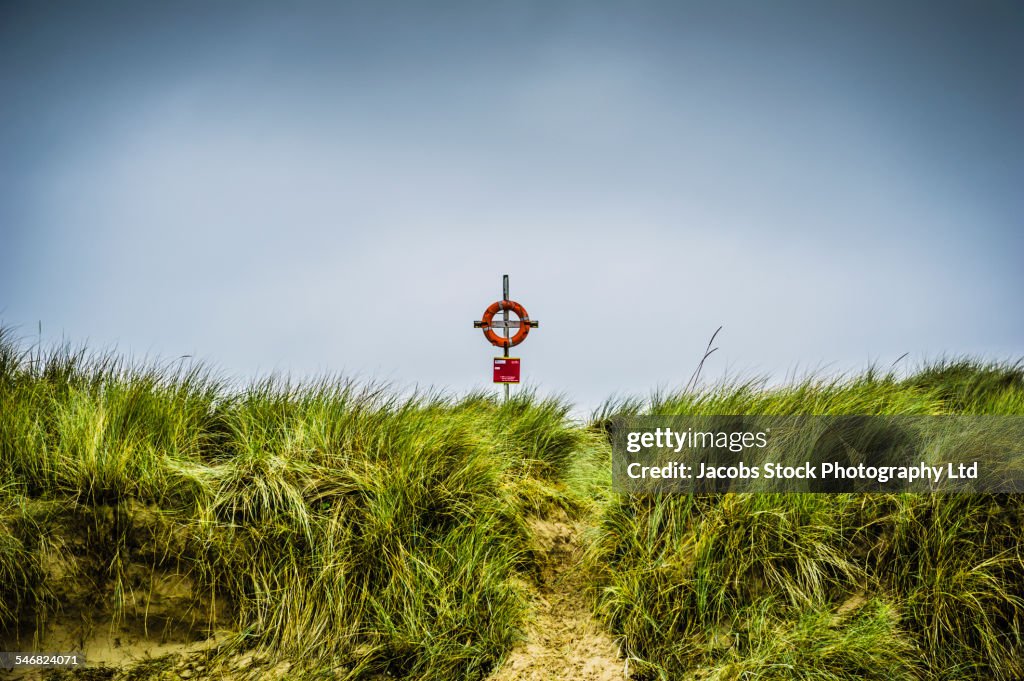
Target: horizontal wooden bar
502 324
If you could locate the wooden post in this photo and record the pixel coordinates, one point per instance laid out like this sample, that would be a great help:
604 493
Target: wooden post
504 315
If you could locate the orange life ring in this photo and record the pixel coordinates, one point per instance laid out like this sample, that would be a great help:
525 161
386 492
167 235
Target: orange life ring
511 306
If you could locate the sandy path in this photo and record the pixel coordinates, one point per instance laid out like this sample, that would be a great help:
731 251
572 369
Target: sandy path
564 641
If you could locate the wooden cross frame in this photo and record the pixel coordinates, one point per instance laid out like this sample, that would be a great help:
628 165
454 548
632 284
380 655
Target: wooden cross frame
505 324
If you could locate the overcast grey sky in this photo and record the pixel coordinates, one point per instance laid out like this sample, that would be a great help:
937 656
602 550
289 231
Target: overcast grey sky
305 187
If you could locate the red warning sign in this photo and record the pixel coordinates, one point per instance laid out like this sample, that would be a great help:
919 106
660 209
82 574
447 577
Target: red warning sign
506 369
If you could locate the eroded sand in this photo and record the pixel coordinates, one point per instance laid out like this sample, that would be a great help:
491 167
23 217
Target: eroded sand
564 641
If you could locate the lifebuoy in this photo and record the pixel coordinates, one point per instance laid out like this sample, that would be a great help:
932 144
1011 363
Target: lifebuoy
518 310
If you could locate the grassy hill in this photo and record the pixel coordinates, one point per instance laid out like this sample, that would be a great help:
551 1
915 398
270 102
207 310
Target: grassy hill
333 530
826 586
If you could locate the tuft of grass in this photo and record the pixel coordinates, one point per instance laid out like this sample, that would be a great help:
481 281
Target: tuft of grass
820 645
338 524
966 386
733 586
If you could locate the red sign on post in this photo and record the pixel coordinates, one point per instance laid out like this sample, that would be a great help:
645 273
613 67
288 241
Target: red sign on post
506 369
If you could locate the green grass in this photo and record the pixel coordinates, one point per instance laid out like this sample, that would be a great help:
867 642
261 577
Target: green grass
741 586
341 524
352 531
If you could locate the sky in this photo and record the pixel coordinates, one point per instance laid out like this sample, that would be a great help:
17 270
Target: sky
311 188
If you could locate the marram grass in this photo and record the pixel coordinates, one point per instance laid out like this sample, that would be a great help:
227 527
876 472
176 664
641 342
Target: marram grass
829 587
339 524
357 533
